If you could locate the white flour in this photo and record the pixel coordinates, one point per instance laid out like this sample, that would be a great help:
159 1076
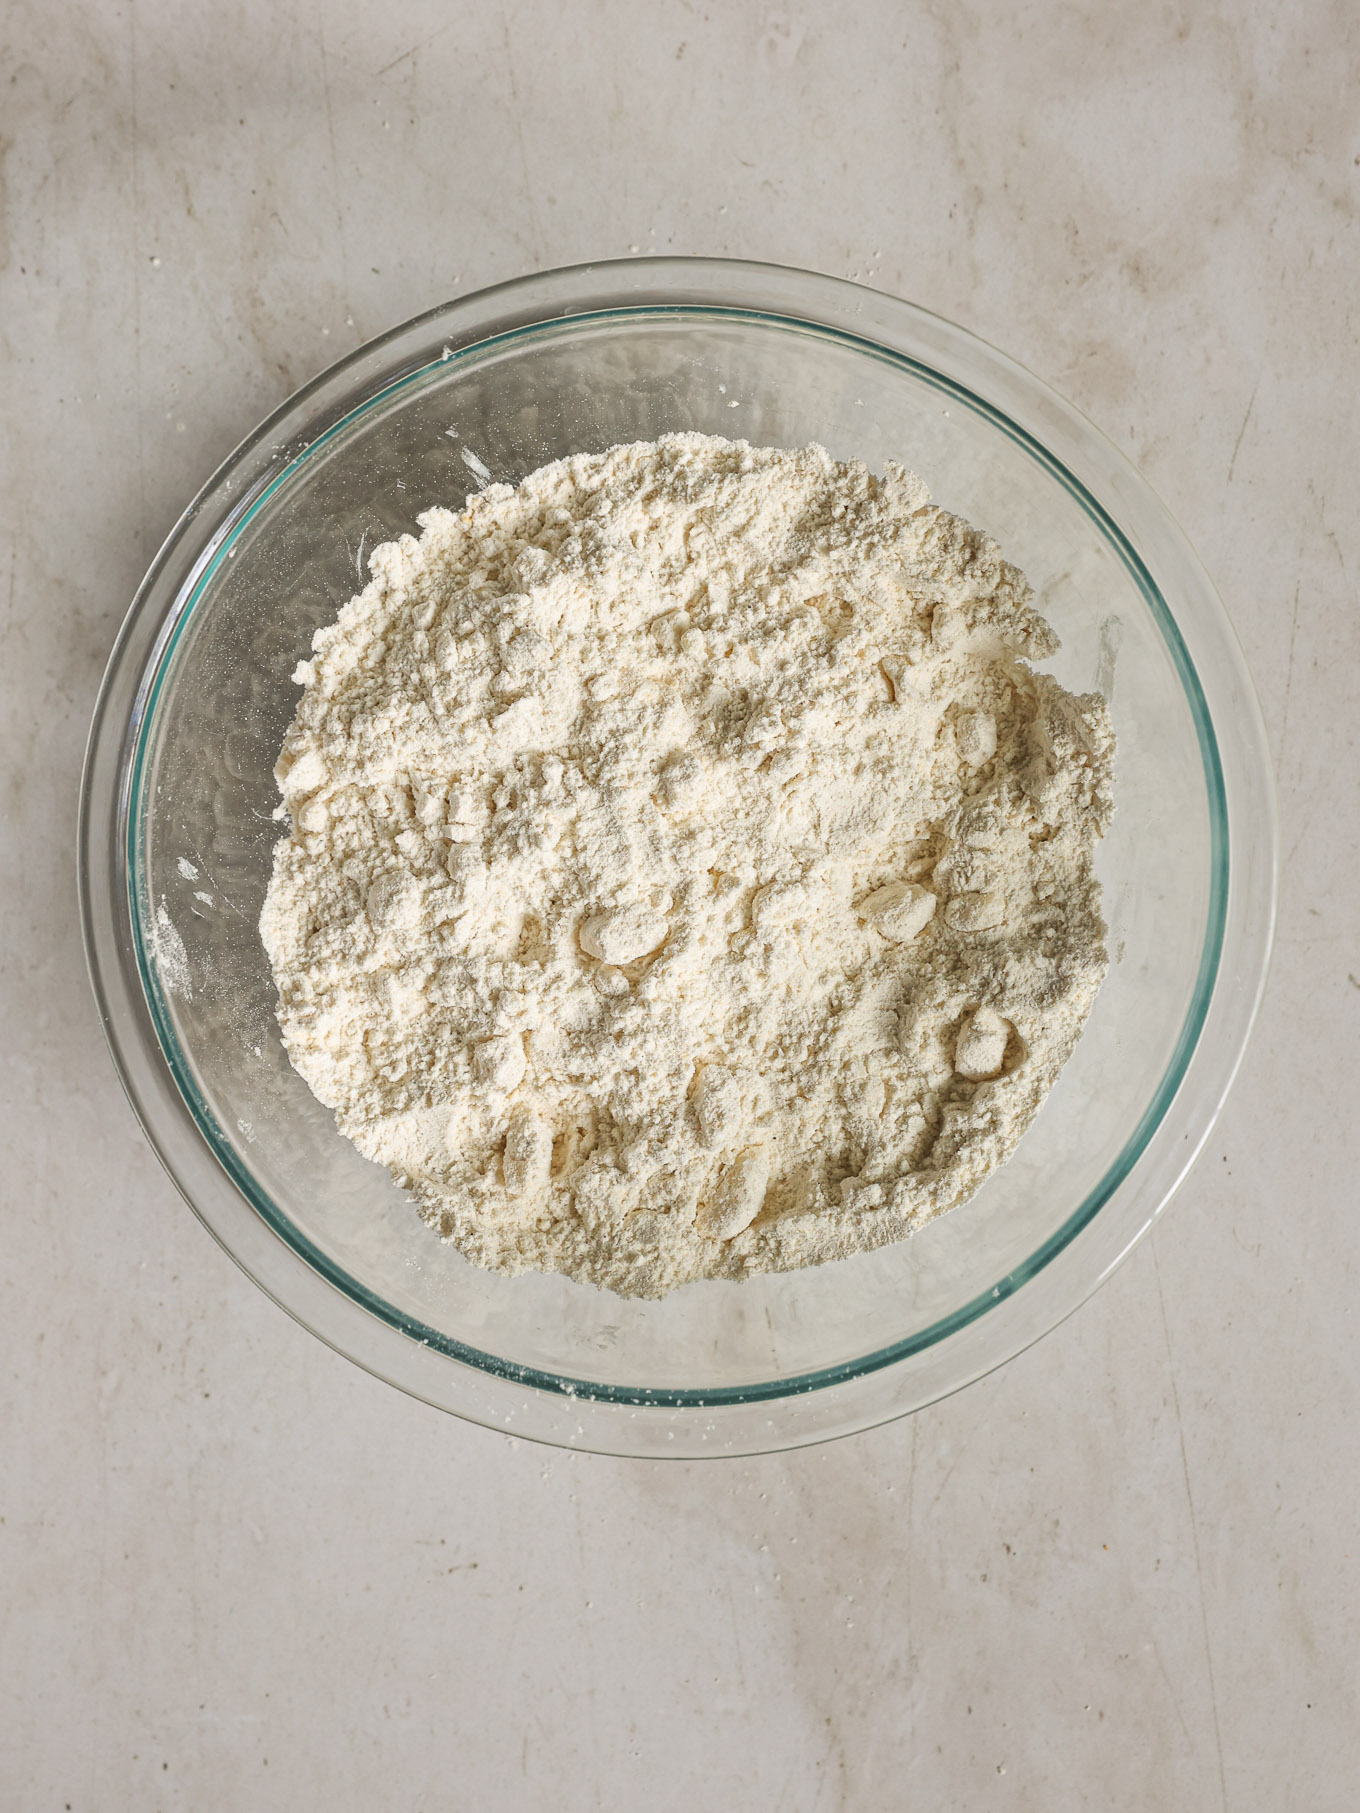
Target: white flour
688 876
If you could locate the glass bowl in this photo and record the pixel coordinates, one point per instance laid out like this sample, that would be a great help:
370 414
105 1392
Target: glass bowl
177 833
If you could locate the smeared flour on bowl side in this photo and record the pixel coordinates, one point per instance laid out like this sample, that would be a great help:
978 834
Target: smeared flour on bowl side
688 874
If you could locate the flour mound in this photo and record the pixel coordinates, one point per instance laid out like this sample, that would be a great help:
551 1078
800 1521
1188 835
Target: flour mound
688 874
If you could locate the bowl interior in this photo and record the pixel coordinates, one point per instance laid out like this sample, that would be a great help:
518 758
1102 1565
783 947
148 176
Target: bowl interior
201 831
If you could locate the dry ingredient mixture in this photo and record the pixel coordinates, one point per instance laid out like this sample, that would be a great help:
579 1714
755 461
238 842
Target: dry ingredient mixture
688 875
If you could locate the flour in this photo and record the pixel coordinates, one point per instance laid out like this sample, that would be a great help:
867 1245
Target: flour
688 874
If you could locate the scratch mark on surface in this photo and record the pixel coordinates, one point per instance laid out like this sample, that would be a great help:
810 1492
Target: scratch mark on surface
592 1665
1171 1691
910 1596
1237 444
517 113
738 1652
335 160
964 1446
137 269
415 49
1194 1531
1288 680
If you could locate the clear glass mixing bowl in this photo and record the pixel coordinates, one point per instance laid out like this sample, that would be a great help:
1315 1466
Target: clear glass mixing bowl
176 835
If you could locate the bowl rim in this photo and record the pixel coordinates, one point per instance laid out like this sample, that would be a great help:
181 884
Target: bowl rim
111 829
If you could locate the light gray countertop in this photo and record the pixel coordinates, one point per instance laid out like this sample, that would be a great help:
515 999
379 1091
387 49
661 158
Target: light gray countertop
238 1572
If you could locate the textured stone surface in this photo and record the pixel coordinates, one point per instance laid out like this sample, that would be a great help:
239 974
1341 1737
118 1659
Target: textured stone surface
1121 1573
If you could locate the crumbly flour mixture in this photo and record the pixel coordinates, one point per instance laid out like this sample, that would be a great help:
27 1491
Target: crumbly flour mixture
688 874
